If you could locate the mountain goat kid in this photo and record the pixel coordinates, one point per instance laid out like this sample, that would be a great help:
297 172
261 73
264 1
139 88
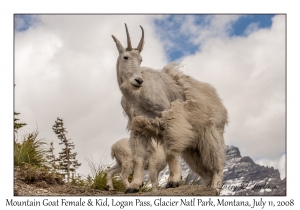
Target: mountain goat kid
155 163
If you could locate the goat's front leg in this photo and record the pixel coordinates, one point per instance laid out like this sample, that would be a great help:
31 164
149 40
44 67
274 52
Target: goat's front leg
138 144
126 170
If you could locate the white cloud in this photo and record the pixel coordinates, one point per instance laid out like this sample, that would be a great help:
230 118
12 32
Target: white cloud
215 26
251 28
277 163
249 75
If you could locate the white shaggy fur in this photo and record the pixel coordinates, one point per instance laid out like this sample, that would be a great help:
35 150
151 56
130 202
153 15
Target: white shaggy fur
193 129
121 151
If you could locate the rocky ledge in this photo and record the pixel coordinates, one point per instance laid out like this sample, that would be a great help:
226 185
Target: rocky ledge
42 188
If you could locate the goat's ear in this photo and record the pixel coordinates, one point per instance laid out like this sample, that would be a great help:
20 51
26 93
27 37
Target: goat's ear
118 43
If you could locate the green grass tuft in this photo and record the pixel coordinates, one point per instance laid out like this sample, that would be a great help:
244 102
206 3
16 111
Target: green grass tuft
98 177
29 150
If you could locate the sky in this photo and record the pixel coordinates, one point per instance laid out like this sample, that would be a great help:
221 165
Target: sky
65 66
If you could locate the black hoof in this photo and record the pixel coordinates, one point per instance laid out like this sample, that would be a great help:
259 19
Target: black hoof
172 184
131 190
106 188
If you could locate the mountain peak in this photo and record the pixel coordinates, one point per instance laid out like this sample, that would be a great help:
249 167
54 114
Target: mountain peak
232 152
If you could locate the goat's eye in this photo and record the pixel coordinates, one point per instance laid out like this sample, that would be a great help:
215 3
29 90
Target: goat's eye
125 57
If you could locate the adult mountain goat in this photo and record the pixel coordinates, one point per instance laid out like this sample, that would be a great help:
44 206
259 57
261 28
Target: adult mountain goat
148 93
121 151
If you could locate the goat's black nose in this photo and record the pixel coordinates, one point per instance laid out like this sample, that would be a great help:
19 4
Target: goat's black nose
139 81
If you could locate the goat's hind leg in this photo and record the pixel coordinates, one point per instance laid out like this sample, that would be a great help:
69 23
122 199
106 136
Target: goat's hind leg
193 159
217 180
175 170
218 153
110 173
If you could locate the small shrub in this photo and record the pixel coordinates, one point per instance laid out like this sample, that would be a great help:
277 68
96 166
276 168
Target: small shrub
33 174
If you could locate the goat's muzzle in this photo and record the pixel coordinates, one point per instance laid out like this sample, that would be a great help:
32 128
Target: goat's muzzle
139 81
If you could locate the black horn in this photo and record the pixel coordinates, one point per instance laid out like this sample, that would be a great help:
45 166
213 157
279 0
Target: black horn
129 47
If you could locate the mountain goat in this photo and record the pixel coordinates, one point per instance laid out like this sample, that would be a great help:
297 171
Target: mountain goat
155 162
148 93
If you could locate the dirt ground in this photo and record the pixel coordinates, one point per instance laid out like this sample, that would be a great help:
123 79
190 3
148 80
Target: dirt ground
43 189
